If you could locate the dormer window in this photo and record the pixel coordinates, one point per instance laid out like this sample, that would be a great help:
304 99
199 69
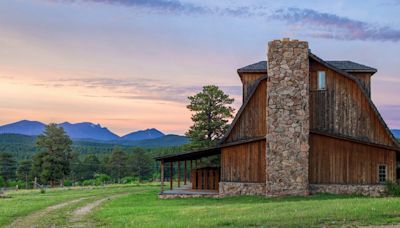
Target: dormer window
321 80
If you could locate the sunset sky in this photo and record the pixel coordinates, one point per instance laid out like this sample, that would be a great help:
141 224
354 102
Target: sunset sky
130 64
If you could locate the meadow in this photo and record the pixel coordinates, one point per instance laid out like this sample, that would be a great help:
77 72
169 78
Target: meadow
138 206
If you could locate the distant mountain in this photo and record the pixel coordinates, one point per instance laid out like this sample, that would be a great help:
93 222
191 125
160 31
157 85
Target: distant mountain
396 133
144 134
95 133
24 127
163 141
88 130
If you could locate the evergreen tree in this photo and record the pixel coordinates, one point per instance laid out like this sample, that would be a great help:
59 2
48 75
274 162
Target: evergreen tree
91 166
23 171
212 112
118 163
141 163
76 167
7 166
56 148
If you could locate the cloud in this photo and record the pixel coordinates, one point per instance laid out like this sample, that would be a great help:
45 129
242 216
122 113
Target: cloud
331 26
157 6
137 89
178 7
307 22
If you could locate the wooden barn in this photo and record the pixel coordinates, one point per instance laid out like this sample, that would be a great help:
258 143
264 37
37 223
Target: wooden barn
306 125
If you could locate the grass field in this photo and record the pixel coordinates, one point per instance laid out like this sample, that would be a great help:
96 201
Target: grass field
140 207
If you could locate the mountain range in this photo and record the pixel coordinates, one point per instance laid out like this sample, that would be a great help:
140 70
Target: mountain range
396 133
79 131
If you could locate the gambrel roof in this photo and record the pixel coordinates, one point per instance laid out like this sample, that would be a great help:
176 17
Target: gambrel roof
347 66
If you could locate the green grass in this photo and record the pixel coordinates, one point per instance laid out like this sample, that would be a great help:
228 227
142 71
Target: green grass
25 202
142 208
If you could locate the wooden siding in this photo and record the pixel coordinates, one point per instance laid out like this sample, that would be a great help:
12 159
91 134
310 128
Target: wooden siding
343 109
337 161
248 81
252 121
205 178
365 79
244 163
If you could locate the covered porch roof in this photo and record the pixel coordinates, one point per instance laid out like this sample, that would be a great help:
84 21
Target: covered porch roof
206 152
191 155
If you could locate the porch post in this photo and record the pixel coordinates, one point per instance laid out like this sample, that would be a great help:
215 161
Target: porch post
179 174
191 168
184 176
171 174
162 176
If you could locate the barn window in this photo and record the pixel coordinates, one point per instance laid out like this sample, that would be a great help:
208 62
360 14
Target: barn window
321 80
382 173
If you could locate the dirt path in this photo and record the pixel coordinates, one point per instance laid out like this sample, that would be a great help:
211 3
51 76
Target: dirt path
31 220
78 217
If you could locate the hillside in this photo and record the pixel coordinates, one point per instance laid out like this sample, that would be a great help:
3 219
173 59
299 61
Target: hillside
23 146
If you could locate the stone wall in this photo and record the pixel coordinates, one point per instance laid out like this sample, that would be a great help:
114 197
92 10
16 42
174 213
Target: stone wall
185 196
287 118
366 190
241 188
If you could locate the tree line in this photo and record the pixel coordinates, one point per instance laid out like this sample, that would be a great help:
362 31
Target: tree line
55 162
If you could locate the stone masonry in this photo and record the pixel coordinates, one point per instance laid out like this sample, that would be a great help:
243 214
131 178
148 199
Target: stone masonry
287 118
241 188
366 190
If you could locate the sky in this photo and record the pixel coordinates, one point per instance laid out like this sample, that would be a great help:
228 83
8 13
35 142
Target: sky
130 64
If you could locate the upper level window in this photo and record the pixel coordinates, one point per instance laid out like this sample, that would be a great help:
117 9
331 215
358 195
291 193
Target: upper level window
321 80
382 173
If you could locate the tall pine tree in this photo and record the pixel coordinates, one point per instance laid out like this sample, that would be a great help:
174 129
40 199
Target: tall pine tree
55 155
8 166
212 112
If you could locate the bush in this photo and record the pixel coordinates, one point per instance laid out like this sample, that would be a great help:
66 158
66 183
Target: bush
67 183
102 178
129 180
42 190
392 189
13 184
88 182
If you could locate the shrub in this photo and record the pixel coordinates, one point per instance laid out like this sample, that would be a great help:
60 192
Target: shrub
88 182
129 180
102 178
392 188
12 184
42 190
67 183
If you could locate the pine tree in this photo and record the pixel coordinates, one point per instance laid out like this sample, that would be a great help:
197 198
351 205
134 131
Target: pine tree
7 166
55 145
91 166
118 164
141 163
212 112
23 171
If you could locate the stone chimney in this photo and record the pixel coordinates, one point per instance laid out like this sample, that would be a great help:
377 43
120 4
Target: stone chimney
287 118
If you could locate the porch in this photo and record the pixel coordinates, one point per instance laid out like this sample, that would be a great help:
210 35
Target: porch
191 174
